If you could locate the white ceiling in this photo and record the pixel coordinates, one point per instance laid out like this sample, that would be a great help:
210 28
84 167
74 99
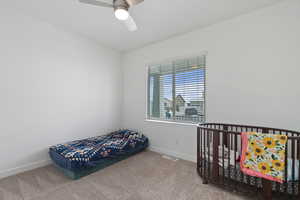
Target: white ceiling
157 19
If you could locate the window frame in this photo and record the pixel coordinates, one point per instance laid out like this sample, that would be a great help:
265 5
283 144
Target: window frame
172 121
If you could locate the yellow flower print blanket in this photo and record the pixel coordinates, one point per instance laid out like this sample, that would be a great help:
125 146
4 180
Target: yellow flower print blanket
263 155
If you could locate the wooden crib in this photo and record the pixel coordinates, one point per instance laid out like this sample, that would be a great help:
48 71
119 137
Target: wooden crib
218 151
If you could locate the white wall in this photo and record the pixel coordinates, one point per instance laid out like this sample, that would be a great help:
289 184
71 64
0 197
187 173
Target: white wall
54 87
253 68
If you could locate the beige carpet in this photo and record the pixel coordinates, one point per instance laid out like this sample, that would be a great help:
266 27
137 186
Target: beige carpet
145 176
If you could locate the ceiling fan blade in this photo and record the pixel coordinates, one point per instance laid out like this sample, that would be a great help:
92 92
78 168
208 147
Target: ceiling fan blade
134 2
130 24
97 3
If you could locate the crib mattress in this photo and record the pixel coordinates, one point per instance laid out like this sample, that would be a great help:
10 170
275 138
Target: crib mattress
93 152
234 173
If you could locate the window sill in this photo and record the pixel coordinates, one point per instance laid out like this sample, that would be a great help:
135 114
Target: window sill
170 122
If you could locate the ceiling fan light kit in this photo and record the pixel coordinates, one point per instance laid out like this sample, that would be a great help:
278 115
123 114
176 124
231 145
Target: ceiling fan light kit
121 8
121 14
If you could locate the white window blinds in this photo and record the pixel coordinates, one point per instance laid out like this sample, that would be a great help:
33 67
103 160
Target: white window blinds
176 90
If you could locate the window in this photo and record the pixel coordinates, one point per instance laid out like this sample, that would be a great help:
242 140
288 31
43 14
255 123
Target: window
176 91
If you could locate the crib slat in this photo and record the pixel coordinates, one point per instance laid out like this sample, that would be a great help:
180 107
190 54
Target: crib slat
205 160
285 167
215 150
235 158
198 149
229 145
231 139
223 155
298 158
242 174
201 152
208 154
225 138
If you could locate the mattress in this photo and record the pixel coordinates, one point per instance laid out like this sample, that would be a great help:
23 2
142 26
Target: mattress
290 165
234 172
224 154
89 153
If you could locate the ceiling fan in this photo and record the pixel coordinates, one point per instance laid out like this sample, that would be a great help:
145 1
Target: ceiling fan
121 8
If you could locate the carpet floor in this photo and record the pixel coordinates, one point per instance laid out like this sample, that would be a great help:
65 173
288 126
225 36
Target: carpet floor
145 176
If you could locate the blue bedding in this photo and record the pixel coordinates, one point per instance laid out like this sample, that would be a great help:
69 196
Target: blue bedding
87 153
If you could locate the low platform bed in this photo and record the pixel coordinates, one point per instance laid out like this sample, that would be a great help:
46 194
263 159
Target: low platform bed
83 157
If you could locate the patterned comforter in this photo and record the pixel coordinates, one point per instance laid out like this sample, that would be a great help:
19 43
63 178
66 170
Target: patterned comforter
88 151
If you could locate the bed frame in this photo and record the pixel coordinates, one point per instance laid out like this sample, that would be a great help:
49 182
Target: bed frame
214 138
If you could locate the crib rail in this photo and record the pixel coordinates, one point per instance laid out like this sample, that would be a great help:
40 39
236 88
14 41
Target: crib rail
219 147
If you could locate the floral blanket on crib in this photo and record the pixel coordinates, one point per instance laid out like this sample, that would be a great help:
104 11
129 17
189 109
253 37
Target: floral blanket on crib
104 146
263 155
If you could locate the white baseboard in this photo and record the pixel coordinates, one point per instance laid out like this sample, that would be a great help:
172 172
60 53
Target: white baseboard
182 156
23 168
42 163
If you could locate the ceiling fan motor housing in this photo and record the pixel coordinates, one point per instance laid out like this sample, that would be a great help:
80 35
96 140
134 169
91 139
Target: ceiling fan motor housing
121 4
